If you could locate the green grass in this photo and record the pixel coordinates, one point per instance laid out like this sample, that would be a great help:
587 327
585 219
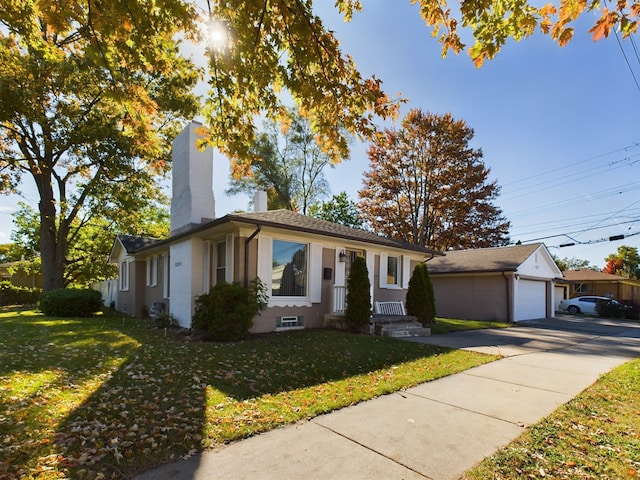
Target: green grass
594 436
106 397
447 325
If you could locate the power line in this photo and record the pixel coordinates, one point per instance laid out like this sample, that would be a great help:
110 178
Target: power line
626 60
577 232
618 190
554 226
578 162
575 176
600 240
615 213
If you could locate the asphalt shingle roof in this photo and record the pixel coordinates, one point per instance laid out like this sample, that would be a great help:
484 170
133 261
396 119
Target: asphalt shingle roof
283 219
587 275
289 220
498 259
132 243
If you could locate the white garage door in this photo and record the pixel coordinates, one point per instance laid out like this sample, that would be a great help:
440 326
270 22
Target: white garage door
531 300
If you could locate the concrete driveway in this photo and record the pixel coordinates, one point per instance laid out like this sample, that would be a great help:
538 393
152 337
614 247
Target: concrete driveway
615 337
440 429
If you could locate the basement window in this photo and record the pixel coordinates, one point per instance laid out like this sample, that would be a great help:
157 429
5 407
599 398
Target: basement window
293 322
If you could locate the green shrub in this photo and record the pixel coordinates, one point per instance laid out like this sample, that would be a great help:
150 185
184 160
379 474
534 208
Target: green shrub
632 310
71 302
165 320
226 313
614 309
358 299
11 294
420 300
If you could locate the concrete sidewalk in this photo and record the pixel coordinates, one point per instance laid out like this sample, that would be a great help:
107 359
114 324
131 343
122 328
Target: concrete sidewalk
439 429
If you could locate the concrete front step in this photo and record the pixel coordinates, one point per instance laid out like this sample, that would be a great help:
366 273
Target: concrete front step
401 327
407 332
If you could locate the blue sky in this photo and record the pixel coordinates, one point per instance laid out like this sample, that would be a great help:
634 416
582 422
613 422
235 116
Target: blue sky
559 127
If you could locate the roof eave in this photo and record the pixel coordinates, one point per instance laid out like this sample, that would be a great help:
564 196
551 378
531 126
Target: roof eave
233 218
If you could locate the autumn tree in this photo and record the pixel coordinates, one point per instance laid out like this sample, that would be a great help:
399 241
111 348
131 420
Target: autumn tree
91 95
625 263
338 209
282 46
288 164
427 186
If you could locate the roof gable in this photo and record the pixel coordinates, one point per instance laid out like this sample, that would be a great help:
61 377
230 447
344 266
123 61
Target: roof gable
130 244
495 259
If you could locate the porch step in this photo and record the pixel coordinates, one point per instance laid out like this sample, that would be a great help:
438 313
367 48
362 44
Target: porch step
400 326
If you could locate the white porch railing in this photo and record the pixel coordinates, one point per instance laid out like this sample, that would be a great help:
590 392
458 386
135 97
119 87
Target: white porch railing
339 299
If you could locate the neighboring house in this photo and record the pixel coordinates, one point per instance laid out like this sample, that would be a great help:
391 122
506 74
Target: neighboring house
504 283
591 282
14 272
303 261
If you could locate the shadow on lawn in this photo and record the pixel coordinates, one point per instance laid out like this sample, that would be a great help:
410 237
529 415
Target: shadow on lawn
112 396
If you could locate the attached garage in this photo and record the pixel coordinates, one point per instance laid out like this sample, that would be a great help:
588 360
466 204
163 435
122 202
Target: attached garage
504 283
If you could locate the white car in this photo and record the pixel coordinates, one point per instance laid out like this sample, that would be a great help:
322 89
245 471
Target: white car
582 304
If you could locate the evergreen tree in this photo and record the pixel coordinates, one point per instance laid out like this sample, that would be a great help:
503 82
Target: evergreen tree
358 295
420 298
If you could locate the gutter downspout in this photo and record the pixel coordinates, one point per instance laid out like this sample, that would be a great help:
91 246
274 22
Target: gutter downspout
246 254
427 259
509 315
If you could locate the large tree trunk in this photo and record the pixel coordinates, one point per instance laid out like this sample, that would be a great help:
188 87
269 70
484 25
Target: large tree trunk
52 242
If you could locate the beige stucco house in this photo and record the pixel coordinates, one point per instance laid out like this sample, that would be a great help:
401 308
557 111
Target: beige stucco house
303 261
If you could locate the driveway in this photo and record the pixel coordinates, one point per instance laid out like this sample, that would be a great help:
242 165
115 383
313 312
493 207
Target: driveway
589 335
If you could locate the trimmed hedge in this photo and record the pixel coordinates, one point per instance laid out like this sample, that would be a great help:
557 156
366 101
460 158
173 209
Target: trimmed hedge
71 302
11 294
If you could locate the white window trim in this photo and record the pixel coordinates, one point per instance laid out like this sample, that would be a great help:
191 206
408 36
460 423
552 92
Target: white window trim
207 270
165 276
216 261
265 257
152 271
123 276
384 260
406 271
314 280
229 260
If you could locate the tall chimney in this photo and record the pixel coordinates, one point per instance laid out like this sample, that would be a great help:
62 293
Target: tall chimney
260 201
192 199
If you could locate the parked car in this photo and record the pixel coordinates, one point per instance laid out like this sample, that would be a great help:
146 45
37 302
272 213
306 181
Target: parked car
583 304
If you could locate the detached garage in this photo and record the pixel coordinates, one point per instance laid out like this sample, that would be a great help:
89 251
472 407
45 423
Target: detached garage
504 283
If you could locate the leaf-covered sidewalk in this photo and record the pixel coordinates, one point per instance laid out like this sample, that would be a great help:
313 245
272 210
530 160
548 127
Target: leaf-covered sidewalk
106 397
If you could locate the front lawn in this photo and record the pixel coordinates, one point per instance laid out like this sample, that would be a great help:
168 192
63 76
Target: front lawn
594 436
448 325
107 397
